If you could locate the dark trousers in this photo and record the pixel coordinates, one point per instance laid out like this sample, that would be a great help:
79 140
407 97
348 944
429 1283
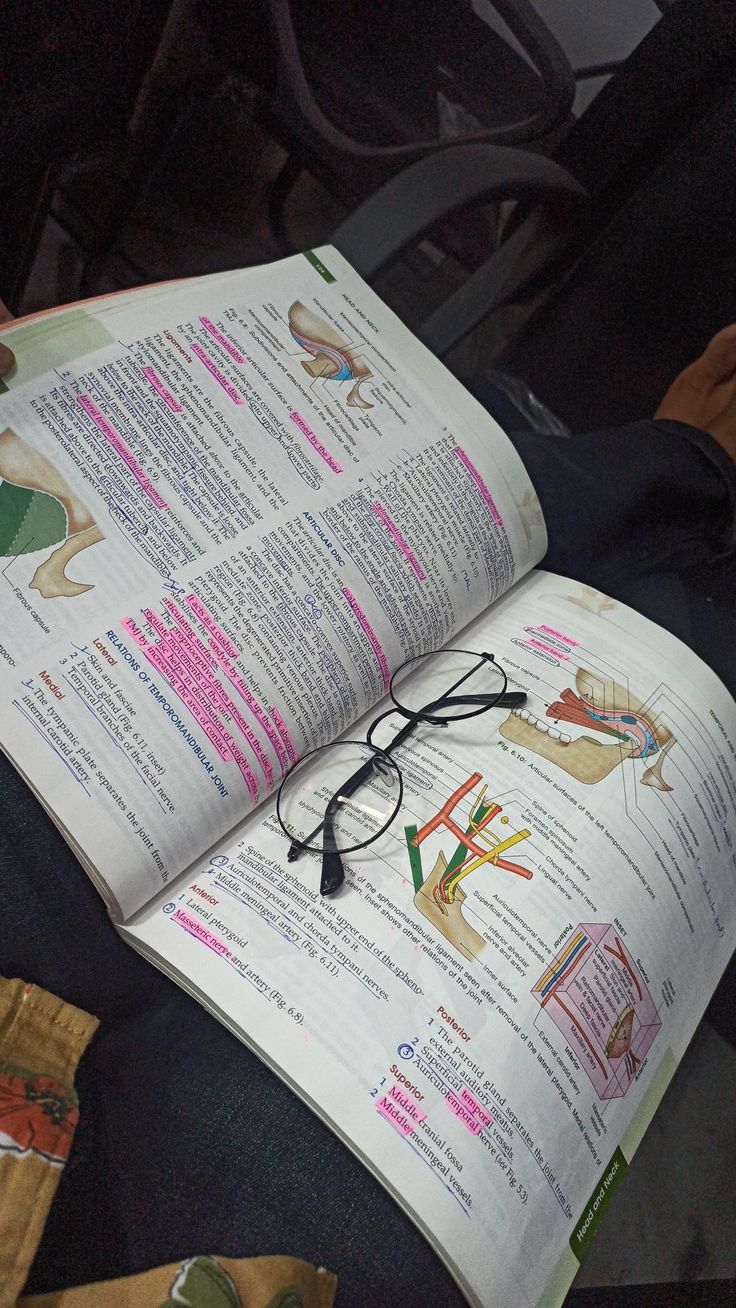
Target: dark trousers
187 1143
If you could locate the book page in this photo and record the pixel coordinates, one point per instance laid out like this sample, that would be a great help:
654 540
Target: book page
490 1009
230 509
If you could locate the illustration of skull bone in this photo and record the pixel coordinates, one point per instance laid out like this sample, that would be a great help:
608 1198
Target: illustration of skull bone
626 730
332 358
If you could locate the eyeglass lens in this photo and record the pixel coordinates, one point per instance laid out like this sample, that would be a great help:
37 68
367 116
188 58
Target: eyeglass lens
452 683
340 797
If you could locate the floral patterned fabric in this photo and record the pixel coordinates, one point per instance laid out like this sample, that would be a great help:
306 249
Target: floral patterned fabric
205 1282
41 1042
37 1115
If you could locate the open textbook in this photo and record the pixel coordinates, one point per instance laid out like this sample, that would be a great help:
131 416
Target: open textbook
230 508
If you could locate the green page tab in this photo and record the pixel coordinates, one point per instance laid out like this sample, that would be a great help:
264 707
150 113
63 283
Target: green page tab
590 1218
318 264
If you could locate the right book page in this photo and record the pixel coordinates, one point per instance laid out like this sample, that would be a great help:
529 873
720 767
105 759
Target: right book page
489 1010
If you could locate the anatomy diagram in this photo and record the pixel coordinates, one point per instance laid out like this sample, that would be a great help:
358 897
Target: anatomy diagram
38 509
597 997
332 358
624 729
440 897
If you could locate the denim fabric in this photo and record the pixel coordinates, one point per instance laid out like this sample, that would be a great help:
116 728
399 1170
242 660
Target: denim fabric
187 1143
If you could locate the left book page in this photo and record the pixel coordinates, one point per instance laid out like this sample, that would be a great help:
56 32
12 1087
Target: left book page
229 508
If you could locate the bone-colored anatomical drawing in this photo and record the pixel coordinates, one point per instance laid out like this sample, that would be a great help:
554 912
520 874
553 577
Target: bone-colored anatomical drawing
624 730
619 1040
332 358
440 898
39 509
446 916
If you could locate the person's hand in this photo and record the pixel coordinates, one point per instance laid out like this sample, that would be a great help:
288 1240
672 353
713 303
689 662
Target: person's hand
7 358
704 395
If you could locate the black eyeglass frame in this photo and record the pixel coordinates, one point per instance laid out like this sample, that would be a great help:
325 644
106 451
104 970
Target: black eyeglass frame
333 872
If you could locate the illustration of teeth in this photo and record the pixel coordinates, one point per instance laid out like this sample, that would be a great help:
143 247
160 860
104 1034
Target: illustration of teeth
553 732
586 758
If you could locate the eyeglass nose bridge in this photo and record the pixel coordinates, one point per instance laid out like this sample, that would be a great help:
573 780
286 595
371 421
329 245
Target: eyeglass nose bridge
381 768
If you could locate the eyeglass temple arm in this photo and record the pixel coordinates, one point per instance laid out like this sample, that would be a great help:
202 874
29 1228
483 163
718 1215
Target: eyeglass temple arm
333 873
512 699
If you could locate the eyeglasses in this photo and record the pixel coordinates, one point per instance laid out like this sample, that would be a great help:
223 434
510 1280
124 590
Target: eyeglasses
341 797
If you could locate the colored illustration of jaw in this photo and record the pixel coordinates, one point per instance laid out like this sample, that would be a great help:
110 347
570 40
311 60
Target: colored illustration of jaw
332 359
39 509
625 730
50 578
440 897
